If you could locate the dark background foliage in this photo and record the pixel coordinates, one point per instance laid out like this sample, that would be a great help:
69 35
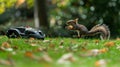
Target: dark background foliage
89 12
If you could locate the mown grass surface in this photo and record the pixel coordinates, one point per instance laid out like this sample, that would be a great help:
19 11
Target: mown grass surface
57 47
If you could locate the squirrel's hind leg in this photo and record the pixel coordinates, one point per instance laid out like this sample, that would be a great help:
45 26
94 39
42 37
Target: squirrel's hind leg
101 37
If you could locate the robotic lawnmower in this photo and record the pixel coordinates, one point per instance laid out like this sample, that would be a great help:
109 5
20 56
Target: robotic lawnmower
25 32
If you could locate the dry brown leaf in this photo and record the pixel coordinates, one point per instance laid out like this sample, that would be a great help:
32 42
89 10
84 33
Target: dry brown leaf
33 44
29 54
110 44
95 52
101 63
51 45
38 49
46 41
32 56
31 38
61 46
6 45
46 58
97 41
15 47
117 38
4 62
66 58
7 62
104 50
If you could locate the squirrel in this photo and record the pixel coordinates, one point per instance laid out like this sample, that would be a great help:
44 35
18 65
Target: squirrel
82 30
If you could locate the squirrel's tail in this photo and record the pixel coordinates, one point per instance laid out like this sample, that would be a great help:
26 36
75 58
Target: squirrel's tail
101 29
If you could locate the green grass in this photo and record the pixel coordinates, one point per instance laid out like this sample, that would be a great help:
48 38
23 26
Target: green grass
52 48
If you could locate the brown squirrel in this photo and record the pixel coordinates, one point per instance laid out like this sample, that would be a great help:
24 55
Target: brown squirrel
101 29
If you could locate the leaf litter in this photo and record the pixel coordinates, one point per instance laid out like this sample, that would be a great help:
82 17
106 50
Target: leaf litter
65 58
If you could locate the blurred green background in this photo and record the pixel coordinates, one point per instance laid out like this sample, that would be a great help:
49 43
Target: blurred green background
53 14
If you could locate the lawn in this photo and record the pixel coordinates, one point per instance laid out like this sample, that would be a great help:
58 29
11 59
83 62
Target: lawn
57 52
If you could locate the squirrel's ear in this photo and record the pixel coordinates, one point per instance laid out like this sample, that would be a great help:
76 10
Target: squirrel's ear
76 20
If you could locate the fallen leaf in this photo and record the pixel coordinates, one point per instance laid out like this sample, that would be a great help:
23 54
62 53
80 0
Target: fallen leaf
117 38
96 41
33 44
110 44
51 45
4 62
101 63
94 52
32 56
31 38
29 54
46 58
104 50
8 62
15 47
61 46
66 58
46 41
6 45
38 49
